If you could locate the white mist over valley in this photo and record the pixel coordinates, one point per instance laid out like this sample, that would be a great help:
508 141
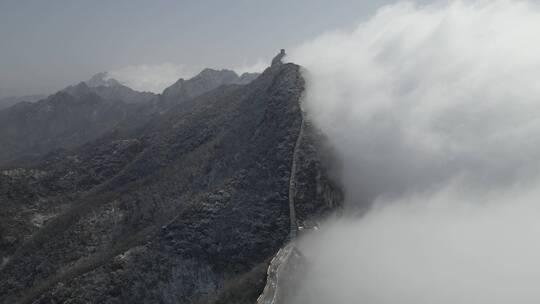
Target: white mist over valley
434 111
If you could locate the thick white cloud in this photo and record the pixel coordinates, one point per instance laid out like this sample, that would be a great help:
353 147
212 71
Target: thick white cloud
435 112
150 77
445 247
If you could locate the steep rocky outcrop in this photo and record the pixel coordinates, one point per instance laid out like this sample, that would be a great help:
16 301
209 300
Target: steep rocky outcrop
312 196
189 209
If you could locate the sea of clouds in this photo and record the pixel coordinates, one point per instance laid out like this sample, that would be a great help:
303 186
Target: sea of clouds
434 111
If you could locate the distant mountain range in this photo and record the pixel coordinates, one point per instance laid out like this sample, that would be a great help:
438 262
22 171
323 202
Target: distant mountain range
113 90
183 198
88 110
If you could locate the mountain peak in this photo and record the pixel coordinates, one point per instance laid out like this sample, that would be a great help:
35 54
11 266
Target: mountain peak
205 81
79 89
102 79
108 89
217 74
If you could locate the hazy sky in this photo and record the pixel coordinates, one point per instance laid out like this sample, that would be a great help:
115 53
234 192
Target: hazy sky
46 45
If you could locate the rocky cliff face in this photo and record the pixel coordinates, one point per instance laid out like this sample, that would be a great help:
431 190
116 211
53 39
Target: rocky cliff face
187 210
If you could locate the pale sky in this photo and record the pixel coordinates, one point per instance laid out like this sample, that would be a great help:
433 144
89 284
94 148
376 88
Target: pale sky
47 45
